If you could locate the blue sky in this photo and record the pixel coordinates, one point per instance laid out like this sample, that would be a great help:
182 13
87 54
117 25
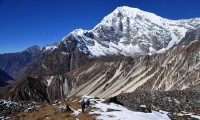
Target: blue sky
24 23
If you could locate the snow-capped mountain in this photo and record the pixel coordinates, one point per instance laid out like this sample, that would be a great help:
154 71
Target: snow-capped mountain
46 48
126 31
103 62
77 60
131 31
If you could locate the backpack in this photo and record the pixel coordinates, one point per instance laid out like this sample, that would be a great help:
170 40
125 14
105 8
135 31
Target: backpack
82 102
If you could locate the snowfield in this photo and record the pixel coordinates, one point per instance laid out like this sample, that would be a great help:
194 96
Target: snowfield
114 111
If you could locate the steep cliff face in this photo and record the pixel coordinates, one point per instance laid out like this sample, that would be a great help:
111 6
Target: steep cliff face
58 87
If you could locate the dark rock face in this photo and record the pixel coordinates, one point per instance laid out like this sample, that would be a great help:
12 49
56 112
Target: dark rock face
5 79
59 88
62 60
191 35
38 89
15 64
30 89
114 100
52 64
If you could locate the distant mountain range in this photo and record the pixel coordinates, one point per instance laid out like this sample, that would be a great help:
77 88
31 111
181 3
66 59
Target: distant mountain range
16 63
128 50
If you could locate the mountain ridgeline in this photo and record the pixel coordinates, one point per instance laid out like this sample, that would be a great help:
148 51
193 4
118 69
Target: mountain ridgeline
128 50
17 63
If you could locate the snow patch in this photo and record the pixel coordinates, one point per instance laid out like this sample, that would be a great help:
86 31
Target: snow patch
49 81
50 48
121 113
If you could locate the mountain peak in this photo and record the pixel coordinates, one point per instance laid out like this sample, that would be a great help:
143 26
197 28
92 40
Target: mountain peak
127 13
130 32
33 48
127 9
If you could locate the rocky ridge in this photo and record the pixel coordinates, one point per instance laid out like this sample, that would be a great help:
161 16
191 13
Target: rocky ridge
17 63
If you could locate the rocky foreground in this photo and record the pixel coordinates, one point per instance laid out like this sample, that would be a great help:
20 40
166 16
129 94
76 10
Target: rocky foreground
178 104
141 105
40 111
98 109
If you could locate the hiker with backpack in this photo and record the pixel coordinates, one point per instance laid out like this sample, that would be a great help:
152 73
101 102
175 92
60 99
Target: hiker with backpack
83 105
87 103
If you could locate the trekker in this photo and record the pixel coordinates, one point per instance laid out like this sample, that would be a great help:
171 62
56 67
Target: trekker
87 103
83 105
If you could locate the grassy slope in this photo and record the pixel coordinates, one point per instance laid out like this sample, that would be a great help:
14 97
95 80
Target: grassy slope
47 112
